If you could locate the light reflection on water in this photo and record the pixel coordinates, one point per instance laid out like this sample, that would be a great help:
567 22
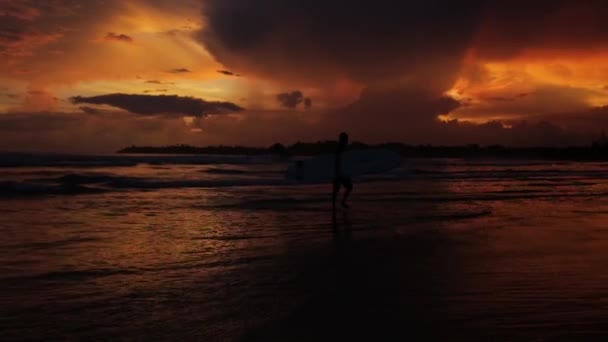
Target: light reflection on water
479 256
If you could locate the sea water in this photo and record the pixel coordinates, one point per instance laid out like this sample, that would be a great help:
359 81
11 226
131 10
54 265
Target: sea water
226 248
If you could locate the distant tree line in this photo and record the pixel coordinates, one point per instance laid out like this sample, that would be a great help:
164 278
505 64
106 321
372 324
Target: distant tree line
596 151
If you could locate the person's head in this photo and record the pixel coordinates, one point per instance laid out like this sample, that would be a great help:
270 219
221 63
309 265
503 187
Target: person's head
343 139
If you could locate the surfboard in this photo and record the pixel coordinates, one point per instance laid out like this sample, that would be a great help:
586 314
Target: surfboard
354 164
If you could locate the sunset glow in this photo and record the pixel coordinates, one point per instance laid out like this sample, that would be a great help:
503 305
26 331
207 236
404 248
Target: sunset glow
304 170
189 48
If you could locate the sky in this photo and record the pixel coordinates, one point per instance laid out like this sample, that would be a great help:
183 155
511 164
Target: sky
98 75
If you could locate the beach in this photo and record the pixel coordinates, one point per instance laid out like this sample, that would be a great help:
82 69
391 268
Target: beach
225 248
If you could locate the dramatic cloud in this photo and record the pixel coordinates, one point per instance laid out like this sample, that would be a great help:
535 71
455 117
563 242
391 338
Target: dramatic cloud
369 41
293 99
382 115
111 36
160 104
103 131
290 100
373 40
588 120
179 71
307 102
543 102
269 127
510 72
424 46
509 27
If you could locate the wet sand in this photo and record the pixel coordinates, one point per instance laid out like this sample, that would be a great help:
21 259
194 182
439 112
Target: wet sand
429 286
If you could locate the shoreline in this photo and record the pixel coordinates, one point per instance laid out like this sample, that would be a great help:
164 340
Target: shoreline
574 153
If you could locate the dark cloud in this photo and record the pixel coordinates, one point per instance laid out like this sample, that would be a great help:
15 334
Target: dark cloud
9 35
179 71
155 91
30 10
290 100
11 95
498 98
503 98
228 73
410 116
18 38
307 103
508 27
148 91
160 104
391 115
25 71
367 41
106 131
545 100
19 10
159 82
522 133
90 110
111 36
373 126
586 119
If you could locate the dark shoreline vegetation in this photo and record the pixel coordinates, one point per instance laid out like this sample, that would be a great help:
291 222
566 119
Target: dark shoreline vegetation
594 152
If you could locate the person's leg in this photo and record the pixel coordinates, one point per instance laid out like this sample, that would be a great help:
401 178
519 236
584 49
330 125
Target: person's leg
348 184
336 189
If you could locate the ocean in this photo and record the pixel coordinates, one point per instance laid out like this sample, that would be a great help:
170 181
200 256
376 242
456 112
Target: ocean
226 248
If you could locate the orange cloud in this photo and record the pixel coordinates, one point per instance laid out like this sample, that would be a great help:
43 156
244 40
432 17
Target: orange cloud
16 44
37 100
179 71
370 69
18 9
111 36
536 83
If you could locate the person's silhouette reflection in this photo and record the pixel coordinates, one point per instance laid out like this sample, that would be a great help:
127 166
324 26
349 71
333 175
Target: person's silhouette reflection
340 179
342 231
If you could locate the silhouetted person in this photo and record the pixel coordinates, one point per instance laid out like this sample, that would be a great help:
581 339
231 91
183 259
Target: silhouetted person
340 179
